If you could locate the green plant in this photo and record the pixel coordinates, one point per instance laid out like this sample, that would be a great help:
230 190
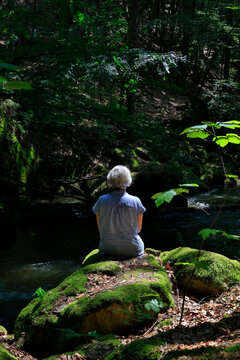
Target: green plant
202 131
40 293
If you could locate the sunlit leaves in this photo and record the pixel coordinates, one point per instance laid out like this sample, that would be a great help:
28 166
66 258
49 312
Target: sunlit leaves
202 131
228 138
168 195
163 196
40 293
206 233
197 131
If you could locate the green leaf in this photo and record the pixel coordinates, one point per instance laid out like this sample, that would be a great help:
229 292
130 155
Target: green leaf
231 176
205 233
40 293
198 134
233 138
180 191
189 185
221 140
212 124
153 305
164 196
230 124
229 236
194 128
2 79
17 85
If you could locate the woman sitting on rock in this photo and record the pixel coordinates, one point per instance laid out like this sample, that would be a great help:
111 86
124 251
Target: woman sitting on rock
119 217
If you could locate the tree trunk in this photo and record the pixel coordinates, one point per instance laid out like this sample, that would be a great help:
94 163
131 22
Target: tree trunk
132 36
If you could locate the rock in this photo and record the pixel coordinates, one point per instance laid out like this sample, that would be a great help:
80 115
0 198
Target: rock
106 296
215 274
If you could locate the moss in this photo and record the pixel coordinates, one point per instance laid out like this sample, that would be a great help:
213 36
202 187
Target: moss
145 349
39 311
5 355
217 269
117 310
233 348
105 267
3 330
205 353
165 322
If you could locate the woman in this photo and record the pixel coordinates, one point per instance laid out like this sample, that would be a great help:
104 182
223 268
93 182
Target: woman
119 217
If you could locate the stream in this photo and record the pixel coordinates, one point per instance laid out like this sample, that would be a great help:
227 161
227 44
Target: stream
48 246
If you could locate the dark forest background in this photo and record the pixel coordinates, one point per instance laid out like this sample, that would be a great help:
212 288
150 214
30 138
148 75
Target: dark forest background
86 85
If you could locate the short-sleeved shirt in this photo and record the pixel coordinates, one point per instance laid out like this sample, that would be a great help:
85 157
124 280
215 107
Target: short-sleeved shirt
118 223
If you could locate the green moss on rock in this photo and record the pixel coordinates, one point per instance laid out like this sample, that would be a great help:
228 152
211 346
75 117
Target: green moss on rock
209 279
5 355
116 310
3 330
144 349
104 267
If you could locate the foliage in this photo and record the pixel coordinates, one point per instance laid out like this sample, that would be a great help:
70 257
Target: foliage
40 293
203 132
168 195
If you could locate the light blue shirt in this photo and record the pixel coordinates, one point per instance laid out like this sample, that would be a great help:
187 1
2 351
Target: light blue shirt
118 223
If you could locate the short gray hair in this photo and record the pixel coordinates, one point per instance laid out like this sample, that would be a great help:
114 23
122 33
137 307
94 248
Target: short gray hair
119 176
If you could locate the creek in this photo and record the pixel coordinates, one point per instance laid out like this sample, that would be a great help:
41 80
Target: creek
47 244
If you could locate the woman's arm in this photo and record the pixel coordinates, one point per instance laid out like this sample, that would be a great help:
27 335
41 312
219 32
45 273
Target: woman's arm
97 218
140 219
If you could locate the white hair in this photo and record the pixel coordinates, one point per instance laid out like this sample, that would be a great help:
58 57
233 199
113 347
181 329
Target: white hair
119 177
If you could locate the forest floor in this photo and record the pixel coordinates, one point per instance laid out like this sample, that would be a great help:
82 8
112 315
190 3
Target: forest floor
212 321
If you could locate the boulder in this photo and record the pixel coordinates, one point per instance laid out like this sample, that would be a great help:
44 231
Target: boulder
104 296
214 272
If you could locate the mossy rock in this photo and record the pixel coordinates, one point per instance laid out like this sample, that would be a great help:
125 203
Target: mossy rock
3 331
211 275
144 349
117 307
5 355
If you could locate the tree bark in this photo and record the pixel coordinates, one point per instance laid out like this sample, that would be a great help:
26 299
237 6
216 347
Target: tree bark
132 37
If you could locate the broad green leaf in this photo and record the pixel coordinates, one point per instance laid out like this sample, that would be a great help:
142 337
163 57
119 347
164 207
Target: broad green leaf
198 134
230 124
205 233
154 305
180 191
2 79
189 185
194 128
231 176
212 124
164 196
233 138
229 236
17 85
221 140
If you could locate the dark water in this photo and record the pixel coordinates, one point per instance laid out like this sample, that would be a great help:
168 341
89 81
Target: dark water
43 247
